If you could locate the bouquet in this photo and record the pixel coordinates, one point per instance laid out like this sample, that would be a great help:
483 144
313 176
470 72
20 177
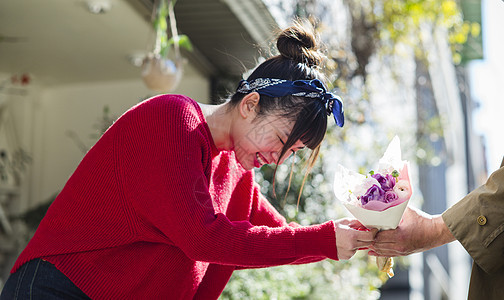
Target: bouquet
378 199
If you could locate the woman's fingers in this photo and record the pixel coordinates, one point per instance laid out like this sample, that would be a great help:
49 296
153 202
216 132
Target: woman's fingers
352 236
359 244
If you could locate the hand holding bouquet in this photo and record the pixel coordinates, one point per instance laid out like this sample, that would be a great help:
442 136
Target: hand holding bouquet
377 200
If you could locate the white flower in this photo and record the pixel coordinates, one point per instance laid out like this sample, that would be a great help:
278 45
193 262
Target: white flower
403 189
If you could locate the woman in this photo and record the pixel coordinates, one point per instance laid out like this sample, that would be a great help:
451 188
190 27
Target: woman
165 204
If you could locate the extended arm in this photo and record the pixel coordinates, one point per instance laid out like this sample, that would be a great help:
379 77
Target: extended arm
476 221
417 232
350 234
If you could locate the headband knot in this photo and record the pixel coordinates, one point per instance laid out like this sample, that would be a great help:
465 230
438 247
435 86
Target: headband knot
314 88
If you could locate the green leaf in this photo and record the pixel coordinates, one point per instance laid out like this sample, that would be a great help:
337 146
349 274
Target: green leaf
182 40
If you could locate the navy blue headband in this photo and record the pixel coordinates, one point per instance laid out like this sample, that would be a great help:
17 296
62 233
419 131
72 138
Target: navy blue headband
304 88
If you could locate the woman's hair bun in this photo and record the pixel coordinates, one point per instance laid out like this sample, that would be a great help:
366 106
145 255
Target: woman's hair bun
300 43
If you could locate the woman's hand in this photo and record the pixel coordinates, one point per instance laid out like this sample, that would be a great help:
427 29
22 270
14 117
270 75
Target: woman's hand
351 236
417 232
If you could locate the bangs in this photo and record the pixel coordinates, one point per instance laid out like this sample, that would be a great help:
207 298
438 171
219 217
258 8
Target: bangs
310 126
313 126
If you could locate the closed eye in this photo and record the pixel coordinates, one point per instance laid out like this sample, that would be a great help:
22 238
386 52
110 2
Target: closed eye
283 143
293 150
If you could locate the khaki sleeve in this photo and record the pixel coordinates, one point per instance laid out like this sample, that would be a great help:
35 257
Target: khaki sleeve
477 222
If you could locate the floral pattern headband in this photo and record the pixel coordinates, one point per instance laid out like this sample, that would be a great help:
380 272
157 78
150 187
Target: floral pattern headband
303 88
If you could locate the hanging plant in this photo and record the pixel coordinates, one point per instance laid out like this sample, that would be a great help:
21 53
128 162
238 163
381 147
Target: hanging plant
159 72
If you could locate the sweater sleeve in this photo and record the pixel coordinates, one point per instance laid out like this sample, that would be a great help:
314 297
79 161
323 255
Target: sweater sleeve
263 213
163 168
477 222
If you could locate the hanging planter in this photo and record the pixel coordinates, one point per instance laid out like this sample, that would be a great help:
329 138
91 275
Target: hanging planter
159 72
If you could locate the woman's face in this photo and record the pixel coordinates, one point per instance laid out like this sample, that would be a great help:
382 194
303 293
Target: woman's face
260 142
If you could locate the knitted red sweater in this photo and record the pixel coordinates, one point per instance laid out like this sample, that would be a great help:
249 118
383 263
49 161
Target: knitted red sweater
155 211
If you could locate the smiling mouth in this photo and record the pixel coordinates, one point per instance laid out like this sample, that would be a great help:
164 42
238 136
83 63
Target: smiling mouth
261 159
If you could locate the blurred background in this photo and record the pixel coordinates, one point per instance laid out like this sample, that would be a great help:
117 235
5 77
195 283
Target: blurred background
424 70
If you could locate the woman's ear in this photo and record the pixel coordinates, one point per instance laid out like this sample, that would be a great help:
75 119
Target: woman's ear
249 105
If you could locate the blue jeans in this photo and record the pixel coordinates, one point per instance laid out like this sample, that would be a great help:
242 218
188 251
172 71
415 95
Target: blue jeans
39 279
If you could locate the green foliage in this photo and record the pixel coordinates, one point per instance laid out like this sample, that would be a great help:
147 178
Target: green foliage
400 22
160 24
182 40
13 165
322 280
104 122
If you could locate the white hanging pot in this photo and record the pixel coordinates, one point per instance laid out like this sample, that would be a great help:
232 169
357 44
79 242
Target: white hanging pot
161 74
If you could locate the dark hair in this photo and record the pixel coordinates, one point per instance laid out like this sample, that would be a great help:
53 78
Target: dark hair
299 58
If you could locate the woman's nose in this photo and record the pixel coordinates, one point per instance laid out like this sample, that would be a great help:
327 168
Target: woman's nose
275 156
277 159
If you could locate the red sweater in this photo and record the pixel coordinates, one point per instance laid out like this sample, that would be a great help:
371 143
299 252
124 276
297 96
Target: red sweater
154 210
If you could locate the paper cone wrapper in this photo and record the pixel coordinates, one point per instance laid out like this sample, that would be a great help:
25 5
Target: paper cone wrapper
383 220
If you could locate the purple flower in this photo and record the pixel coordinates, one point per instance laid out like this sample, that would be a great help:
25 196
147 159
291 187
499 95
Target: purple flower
390 196
374 193
387 182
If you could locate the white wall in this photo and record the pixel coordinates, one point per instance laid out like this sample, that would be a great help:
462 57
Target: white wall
47 115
